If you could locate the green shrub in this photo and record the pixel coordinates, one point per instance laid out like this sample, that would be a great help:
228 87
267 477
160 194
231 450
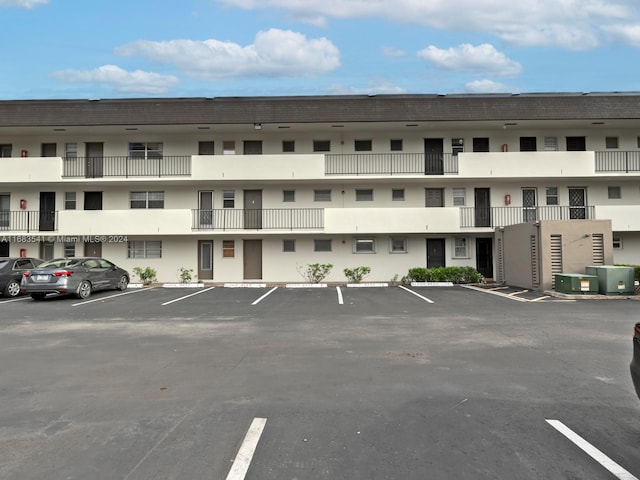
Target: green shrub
186 274
147 274
357 274
316 272
445 274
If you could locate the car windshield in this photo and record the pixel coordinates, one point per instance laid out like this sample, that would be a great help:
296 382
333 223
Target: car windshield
59 262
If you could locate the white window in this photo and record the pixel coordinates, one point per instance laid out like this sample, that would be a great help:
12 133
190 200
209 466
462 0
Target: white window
146 199
145 149
322 245
397 195
69 249
228 199
460 247
144 249
611 142
322 195
288 245
364 245
614 192
550 144
69 200
617 241
459 197
552 195
398 245
71 150
364 195
288 195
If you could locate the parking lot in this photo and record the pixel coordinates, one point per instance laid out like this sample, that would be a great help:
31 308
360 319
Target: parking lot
317 383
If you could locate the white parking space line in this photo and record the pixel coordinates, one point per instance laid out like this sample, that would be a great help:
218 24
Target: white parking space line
265 296
592 451
340 299
110 296
416 294
494 292
21 299
247 449
187 296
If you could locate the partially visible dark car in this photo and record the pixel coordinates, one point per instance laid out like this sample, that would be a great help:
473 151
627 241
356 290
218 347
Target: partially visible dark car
11 270
635 362
77 275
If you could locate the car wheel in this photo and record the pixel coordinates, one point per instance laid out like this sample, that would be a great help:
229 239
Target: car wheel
122 284
12 289
84 290
38 296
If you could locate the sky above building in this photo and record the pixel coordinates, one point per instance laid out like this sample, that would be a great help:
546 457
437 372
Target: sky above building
213 48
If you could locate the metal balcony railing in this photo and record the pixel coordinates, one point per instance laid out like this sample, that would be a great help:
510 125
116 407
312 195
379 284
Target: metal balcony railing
618 161
28 221
503 216
391 164
258 219
98 167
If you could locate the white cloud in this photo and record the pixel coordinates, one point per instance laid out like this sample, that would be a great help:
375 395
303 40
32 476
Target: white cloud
571 24
22 3
120 79
377 87
484 59
487 86
629 34
274 53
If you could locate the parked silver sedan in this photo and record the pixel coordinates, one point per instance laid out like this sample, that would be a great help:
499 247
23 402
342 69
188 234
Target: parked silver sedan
78 276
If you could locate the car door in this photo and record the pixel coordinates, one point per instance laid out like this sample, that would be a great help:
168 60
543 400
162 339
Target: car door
112 275
96 274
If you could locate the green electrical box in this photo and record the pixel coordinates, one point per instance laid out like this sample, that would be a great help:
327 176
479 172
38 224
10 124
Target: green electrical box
576 284
613 279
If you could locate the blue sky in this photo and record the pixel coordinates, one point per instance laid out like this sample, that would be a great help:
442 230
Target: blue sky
212 48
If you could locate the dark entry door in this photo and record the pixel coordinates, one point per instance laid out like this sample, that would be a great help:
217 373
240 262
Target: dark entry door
435 252
484 257
482 207
205 259
577 203
252 259
433 156
94 160
47 211
253 209
93 249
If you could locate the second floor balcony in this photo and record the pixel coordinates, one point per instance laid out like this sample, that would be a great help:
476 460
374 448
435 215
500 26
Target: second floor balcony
493 217
126 167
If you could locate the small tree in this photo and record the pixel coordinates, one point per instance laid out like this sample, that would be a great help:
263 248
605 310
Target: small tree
316 272
186 274
147 274
357 274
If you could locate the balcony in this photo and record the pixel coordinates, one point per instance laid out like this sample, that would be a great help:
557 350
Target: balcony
28 221
492 217
391 164
126 167
618 161
287 219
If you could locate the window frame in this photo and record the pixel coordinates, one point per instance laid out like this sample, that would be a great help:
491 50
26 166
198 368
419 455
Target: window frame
460 251
459 195
145 150
405 245
364 194
364 245
614 192
363 145
288 196
228 198
326 243
321 145
144 249
322 195
550 195
288 245
398 198
228 248
69 202
145 200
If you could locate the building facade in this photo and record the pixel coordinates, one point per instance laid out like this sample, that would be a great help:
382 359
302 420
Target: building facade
256 189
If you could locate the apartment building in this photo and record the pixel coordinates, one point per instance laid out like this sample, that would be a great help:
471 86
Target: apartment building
256 189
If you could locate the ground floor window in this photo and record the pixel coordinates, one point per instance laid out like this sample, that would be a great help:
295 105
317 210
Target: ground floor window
322 245
288 245
398 245
364 245
144 249
617 242
228 249
460 247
